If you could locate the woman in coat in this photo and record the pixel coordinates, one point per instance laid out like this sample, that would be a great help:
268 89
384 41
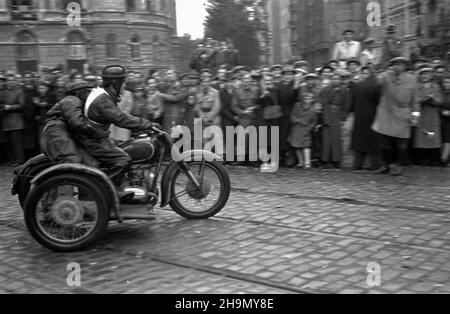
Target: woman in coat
427 137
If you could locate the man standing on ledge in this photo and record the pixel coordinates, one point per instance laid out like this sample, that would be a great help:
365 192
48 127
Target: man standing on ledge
347 50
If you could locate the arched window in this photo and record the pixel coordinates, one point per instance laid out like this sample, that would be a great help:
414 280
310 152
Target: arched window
26 46
111 46
77 46
26 51
135 47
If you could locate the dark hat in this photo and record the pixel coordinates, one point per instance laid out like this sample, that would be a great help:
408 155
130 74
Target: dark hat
398 60
420 59
114 72
353 61
301 63
276 66
239 68
256 75
78 86
206 71
289 71
311 76
425 70
351 31
326 67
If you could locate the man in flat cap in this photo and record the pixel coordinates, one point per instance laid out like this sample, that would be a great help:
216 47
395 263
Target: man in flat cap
302 65
396 114
370 55
347 49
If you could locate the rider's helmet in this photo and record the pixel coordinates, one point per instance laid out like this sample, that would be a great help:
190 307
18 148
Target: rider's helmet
114 72
114 75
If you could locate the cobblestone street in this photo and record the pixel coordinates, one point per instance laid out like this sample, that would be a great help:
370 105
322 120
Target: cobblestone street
292 232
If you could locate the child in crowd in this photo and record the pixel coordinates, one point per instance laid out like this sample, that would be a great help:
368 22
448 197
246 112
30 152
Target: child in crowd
304 120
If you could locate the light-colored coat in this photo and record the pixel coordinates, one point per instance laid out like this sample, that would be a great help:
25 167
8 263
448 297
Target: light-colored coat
208 107
397 103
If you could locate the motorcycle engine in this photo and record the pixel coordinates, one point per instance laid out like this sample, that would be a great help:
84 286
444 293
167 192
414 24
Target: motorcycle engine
144 152
140 181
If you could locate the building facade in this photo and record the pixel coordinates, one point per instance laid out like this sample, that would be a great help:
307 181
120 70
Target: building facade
41 33
279 24
424 26
309 29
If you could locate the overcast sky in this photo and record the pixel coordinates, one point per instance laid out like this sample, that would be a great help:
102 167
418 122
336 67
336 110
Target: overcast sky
191 15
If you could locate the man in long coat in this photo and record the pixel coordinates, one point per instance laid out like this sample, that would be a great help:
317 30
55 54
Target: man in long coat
395 115
365 99
287 95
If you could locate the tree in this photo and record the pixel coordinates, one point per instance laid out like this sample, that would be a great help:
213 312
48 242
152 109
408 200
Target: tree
240 21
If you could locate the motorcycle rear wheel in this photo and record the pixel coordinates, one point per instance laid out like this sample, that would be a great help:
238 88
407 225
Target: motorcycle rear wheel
89 209
183 209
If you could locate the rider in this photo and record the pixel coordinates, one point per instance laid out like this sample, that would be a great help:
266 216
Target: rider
102 110
66 119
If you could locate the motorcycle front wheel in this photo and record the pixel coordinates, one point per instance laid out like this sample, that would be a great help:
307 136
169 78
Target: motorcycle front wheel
67 213
200 203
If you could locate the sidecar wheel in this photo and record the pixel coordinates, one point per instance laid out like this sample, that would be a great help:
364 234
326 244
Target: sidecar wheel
67 213
207 202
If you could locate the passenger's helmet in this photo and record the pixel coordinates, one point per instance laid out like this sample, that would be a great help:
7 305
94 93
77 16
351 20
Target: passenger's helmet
78 86
114 72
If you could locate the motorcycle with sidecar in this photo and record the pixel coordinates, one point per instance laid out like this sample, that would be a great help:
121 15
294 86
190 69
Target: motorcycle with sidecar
68 207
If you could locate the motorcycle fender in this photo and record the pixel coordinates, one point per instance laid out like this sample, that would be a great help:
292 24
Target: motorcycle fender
22 173
193 155
104 180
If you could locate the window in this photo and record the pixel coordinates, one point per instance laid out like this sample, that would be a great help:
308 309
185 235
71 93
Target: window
21 4
111 46
22 10
77 47
131 5
135 47
163 5
149 6
26 46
